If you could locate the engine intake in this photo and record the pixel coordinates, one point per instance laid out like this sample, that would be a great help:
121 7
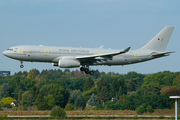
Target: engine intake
68 63
55 64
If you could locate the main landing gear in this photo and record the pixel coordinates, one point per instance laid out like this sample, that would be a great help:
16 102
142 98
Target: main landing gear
21 66
86 70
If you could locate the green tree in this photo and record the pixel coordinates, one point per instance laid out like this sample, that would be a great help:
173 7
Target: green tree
35 91
18 74
14 86
80 102
103 89
21 86
162 78
141 109
132 74
27 99
156 101
149 109
40 103
7 100
4 91
73 98
66 97
114 88
122 87
50 100
32 73
76 83
29 83
151 88
68 107
93 100
122 98
59 94
89 83
170 91
58 113
109 77
24 74
132 84
21 74
176 81
87 94
43 90
20 95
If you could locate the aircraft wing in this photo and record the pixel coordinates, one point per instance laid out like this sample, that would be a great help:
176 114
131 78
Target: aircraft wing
101 56
161 54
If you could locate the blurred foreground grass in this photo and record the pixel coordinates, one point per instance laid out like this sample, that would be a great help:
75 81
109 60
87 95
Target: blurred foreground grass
157 112
94 119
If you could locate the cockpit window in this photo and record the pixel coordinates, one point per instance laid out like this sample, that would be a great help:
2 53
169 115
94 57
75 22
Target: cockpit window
10 49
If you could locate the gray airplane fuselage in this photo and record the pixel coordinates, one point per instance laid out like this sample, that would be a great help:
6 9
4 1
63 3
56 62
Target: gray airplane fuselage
53 54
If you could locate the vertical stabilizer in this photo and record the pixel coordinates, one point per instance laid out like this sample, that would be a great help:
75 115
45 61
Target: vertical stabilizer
160 41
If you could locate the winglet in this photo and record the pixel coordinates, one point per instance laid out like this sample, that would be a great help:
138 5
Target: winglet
126 50
101 47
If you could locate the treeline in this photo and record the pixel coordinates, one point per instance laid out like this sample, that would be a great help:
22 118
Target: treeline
77 90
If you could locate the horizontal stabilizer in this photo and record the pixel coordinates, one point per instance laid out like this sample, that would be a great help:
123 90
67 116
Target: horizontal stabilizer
161 54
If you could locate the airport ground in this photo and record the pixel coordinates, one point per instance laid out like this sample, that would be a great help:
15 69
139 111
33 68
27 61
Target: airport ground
93 114
93 118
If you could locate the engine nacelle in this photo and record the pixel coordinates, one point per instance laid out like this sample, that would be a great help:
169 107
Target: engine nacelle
68 63
55 64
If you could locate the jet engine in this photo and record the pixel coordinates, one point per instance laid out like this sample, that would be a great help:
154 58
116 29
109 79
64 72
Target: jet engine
68 63
55 64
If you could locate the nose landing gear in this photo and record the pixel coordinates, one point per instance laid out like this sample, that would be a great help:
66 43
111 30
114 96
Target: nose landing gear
86 70
21 66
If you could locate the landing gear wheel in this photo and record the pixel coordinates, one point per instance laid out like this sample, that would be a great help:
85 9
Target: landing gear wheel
82 68
86 70
21 66
91 72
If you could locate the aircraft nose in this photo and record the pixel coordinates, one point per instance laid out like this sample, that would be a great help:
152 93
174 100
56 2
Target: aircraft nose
5 53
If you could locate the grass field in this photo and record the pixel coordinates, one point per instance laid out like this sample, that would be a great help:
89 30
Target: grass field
107 114
158 112
96 119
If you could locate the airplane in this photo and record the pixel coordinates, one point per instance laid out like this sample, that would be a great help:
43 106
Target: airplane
71 57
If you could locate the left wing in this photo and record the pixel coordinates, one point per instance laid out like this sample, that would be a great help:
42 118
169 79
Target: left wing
101 56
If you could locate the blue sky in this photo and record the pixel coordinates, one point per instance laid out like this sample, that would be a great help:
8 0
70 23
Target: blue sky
116 24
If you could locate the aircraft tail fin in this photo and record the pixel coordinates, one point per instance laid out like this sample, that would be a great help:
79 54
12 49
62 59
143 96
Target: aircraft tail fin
160 41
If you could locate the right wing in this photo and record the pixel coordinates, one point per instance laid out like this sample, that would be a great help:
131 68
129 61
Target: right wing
104 56
90 59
